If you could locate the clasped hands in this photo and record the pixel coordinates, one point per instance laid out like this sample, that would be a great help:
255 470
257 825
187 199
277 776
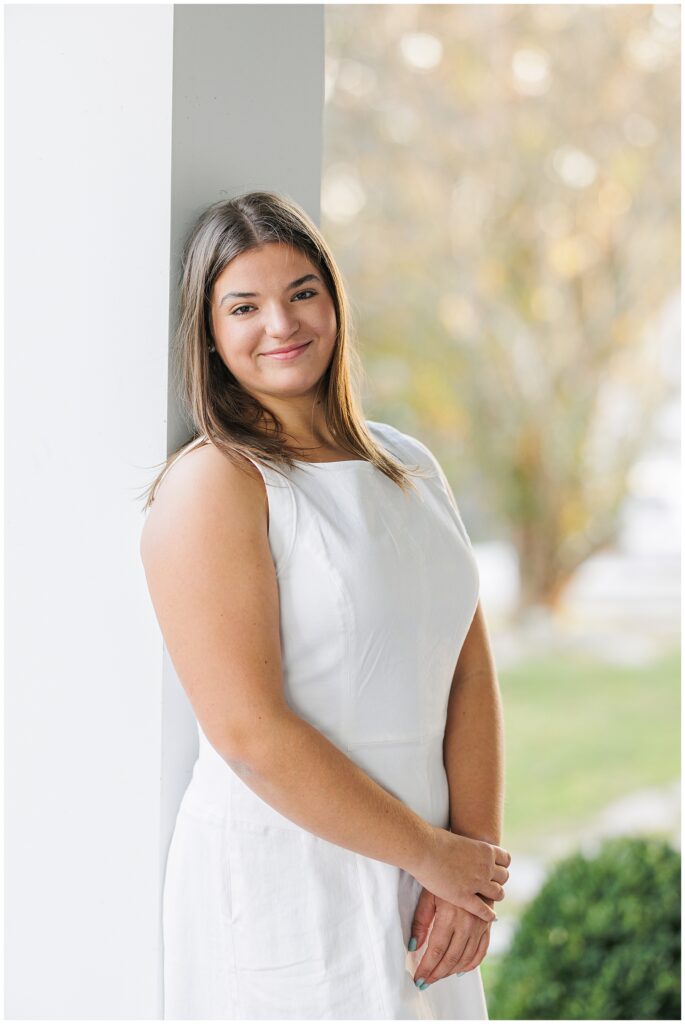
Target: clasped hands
458 942
459 939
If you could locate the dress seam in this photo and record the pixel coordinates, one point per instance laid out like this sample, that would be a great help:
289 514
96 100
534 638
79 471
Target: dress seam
230 940
226 846
369 933
408 740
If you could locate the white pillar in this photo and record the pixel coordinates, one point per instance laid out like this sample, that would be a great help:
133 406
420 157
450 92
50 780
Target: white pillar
122 123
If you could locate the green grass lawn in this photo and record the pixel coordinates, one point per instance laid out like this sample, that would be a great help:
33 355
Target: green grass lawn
580 734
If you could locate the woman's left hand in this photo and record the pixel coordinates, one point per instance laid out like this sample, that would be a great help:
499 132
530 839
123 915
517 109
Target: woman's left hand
458 942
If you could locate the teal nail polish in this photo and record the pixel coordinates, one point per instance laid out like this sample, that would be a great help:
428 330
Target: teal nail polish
412 944
419 982
460 974
424 986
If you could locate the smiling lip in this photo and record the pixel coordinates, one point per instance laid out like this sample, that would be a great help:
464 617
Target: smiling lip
288 353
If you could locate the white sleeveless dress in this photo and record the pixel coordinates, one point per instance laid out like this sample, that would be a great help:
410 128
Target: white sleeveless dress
262 919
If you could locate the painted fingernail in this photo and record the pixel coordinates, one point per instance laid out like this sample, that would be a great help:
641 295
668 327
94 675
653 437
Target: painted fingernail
412 944
460 974
419 982
425 985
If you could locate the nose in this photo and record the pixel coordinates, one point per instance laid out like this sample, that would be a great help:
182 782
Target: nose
282 321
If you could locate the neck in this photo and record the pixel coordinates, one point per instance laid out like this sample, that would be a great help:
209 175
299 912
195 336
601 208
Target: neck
303 421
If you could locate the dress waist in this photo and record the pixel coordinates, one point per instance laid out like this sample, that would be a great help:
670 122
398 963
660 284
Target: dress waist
411 769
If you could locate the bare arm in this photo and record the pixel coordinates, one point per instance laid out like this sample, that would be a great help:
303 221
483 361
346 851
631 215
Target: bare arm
213 586
473 748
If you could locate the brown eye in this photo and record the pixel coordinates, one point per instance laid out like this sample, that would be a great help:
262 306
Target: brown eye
236 311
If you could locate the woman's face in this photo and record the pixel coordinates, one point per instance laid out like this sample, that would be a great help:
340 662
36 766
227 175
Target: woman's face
283 303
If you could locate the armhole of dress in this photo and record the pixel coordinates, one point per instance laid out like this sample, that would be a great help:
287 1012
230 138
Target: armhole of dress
433 464
282 514
453 504
447 491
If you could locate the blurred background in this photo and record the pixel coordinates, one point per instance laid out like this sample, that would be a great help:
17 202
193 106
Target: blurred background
501 189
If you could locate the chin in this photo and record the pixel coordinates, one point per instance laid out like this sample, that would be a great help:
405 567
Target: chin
294 389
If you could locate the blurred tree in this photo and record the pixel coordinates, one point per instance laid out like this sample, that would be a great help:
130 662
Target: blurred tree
501 188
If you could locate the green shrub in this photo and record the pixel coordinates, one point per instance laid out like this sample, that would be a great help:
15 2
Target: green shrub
601 940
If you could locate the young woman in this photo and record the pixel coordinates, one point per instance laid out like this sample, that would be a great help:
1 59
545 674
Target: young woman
336 854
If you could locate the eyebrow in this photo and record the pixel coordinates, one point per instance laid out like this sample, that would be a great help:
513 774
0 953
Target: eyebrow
255 295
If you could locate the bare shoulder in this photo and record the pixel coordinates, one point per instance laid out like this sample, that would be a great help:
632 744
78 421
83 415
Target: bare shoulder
197 492
212 581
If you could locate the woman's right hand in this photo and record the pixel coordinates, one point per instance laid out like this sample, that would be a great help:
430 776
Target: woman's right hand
458 869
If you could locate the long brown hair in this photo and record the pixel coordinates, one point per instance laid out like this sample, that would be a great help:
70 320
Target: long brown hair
212 398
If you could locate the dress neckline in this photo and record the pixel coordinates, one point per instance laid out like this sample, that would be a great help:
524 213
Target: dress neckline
339 462
345 462
320 465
